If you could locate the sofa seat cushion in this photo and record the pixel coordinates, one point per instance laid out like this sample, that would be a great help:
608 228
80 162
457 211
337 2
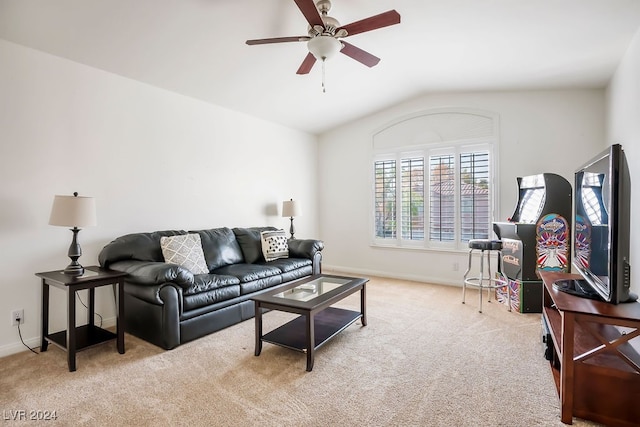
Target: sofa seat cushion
260 284
207 282
298 273
249 272
210 297
287 264
253 277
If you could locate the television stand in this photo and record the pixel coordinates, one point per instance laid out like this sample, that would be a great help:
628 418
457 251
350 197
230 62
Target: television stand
577 287
596 362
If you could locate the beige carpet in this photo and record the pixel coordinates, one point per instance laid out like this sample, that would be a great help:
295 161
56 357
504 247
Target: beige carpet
424 359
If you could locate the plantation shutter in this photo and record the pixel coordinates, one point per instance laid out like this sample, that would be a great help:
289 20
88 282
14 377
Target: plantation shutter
385 199
442 198
474 195
412 219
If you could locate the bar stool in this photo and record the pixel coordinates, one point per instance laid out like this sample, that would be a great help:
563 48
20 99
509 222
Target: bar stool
485 282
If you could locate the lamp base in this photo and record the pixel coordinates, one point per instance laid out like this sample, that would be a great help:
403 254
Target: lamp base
74 269
292 229
75 252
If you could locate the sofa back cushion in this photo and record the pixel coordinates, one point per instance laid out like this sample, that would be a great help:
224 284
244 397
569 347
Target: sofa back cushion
220 247
251 242
137 246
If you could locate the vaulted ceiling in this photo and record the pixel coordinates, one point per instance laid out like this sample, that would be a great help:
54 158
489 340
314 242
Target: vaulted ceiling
197 48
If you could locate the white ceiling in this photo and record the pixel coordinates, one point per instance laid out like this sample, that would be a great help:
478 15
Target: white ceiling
197 48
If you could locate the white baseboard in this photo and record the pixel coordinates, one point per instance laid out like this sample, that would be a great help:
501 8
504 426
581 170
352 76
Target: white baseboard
34 342
17 347
386 274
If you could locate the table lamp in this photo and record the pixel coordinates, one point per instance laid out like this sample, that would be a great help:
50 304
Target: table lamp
291 208
73 211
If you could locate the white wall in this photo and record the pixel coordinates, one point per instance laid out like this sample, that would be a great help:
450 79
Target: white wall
153 159
623 127
540 131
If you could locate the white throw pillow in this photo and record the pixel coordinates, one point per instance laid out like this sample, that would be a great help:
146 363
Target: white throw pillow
274 244
186 251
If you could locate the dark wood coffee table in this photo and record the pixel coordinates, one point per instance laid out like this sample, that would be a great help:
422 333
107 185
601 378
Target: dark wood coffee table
318 322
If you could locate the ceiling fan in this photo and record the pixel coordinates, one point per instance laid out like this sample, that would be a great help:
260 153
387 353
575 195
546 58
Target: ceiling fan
325 33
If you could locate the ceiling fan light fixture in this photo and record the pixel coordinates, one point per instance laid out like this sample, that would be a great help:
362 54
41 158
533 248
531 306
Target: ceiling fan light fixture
324 47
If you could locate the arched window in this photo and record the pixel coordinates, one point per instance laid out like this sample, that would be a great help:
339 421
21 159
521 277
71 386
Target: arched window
433 175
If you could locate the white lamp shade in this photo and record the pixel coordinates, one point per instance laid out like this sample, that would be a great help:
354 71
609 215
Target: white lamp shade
291 208
324 47
73 211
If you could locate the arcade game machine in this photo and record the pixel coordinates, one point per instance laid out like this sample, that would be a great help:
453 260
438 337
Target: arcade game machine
536 237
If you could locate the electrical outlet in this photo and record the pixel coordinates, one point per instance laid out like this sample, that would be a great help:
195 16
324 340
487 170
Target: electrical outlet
456 266
17 316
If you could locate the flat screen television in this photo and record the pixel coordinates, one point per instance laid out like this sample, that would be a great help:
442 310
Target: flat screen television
601 229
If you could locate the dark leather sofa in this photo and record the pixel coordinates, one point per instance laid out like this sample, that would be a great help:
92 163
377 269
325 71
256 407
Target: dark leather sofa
167 305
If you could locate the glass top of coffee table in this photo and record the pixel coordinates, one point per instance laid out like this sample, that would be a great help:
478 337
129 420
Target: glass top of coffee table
312 289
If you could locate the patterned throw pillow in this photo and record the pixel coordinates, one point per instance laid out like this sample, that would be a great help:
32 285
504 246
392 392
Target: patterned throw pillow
274 244
186 251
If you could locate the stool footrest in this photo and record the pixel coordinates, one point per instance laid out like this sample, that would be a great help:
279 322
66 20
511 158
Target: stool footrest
479 282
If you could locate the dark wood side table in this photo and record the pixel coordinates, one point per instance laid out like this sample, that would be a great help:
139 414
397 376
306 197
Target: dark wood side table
78 338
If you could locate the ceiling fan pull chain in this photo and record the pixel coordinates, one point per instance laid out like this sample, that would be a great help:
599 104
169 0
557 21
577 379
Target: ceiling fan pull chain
324 89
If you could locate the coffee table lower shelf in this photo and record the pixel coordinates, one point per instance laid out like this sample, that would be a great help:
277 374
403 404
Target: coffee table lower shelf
327 324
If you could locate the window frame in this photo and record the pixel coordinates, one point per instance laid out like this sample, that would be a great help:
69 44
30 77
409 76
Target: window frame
488 144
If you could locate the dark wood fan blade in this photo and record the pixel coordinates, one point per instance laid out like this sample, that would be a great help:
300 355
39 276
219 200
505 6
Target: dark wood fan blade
359 55
310 12
372 23
279 40
307 64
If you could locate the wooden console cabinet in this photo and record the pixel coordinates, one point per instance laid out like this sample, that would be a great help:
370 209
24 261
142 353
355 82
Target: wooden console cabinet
596 362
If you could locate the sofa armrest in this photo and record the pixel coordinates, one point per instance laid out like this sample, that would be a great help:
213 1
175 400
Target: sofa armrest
154 273
304 248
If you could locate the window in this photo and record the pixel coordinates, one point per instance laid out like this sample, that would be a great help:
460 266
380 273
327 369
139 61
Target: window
433 179
442 205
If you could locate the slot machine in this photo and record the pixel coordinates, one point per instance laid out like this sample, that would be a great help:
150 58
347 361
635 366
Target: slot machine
536 237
